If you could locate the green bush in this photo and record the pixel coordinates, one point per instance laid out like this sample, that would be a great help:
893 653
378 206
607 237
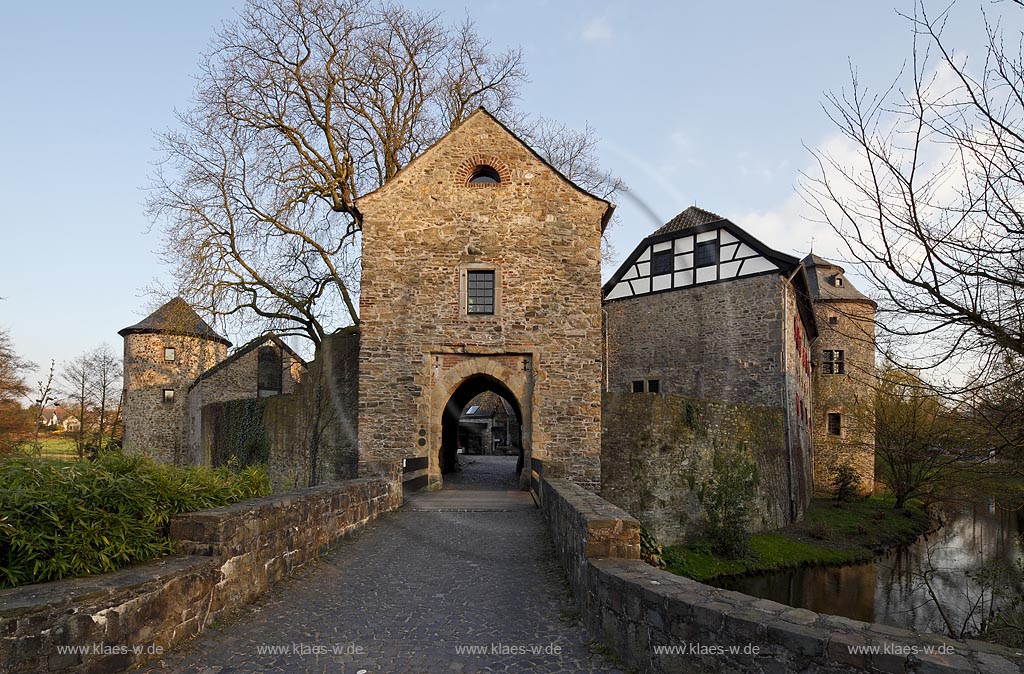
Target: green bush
727 498
845 482
81 518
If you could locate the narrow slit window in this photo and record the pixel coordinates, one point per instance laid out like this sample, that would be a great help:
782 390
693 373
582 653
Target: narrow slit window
480 291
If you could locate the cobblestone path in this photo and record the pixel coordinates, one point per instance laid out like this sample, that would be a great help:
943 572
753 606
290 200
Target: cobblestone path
434 587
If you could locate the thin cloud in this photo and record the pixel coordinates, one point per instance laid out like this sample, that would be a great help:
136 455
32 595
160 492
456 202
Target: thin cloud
597 29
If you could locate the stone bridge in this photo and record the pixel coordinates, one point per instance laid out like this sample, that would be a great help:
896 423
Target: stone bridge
473 578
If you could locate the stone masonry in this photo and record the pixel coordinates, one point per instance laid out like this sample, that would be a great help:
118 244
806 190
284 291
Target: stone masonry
235 379
846 323
155 421
740 342
423 233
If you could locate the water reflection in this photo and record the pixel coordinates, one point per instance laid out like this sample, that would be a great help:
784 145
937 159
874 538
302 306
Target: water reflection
923 586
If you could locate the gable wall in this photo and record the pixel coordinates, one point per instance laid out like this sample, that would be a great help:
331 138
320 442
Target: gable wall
544 238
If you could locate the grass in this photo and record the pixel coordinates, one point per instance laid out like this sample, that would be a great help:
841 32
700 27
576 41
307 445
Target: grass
829 535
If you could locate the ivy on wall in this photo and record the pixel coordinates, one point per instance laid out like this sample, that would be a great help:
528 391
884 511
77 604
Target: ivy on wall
241 434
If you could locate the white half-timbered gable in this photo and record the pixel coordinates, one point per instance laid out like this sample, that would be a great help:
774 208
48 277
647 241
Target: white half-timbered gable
694 248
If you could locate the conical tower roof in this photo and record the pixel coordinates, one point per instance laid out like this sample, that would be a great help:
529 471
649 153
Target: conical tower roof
174 318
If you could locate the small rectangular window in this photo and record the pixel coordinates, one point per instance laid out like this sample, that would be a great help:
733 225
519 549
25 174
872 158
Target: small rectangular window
833 361
835 423
480 291
661 263
169 354
707 254
168 395
638 386
833 320
653 385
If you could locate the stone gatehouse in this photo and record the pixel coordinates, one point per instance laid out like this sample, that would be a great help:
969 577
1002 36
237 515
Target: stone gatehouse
481 271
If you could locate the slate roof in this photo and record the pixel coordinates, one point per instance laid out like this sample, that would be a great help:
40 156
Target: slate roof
174 318
820 275
691 217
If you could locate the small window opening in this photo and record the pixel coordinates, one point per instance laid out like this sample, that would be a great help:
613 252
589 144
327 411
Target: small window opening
638 386
707 253
480 291
484 175
833 361
168 395
833 320
269 371
661 263
835 423
654 386
169 354
839 281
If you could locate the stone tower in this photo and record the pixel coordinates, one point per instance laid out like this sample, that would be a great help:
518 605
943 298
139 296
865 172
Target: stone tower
844 376
481 272
163 355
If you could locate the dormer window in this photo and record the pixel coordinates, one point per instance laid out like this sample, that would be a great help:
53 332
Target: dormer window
838 281
484 175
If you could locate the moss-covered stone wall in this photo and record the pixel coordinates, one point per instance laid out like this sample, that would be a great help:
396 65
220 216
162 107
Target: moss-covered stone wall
657 449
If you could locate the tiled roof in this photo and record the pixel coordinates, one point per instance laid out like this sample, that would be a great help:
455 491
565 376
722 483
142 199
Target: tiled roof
174 318
821 281
691 217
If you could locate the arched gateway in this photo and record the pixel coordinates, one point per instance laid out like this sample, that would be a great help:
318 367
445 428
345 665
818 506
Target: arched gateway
481 271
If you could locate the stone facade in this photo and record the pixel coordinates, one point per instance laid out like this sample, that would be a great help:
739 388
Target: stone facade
152 424
424 234
237 378
309 436
656 451
737 337
846 325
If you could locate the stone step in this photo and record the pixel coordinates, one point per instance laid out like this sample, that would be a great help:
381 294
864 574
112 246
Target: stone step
469 500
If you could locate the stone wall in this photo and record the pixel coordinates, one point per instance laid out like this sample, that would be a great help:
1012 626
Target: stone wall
850 394
233 379
307 437
232 554
660 623
151 425
657 449
422 233
721 341
738 342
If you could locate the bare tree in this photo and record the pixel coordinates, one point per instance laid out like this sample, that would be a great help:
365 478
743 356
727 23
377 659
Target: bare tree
76 389
931 206
301 106
106 370
44 396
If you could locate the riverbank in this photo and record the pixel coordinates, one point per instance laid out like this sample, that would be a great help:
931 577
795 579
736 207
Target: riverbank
830 534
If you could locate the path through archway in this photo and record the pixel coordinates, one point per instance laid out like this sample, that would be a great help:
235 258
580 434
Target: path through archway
481 436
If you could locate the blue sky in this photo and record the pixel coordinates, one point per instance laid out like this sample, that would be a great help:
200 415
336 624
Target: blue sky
696 103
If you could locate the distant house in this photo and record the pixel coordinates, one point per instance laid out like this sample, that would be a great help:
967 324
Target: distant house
56 417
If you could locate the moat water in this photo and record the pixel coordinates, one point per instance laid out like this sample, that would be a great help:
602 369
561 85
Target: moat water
913 586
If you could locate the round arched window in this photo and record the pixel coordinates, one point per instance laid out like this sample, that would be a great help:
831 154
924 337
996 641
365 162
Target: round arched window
484 175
